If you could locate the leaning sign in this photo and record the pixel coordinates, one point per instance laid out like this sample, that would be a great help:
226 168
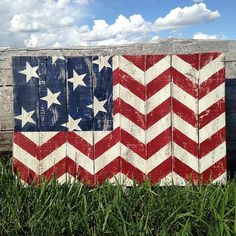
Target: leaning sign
123 117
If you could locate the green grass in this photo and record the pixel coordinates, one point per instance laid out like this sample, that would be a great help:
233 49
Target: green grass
73 209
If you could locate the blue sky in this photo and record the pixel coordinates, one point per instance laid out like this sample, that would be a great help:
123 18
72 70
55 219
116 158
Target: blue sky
63 23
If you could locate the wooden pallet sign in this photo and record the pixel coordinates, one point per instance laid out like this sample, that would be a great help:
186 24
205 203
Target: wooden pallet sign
94 118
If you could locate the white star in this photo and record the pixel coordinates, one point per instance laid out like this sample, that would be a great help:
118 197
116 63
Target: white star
51 98
102 62
77 80
72 124
30 71
54 59
25 117
97 106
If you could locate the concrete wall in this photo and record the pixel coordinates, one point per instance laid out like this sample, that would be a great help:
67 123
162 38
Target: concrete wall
160 47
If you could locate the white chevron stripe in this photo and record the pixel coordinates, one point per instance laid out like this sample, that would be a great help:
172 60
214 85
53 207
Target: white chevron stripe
212 157
185 68
99 135
140 105
62 179
33 136
158 98
107 157
86 135
115 62
81 159
122 179
185 98
211 68
178 180
52 158
222 179
46 136
132 70
157 128
130 98
133 158
130 127
211 128
185 156
25 158
157 69
211 98
166 181
185 128
157 158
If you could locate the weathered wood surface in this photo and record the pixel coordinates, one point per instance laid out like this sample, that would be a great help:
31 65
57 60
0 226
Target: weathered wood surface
161 47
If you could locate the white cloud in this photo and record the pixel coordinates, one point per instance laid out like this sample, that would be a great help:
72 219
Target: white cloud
56 23
204 36
180 17
198 1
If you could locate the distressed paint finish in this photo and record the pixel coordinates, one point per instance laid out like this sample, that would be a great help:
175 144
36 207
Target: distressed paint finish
121 118
199 147
212 136
185 118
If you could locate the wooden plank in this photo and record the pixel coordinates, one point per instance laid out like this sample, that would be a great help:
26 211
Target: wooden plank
6 103
184 118
106 141
158 118
25 140
133 117
212 144
52 113
80 140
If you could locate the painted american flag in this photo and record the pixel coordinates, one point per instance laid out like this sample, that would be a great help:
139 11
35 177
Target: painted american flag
125 117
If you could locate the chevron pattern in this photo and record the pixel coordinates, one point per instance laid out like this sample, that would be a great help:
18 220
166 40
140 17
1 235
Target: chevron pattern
199 148
168 127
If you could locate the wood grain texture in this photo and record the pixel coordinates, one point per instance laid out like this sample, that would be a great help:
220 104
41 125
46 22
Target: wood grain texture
6 103
163 46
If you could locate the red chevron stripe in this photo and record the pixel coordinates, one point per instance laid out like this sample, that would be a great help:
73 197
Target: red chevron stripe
52 144
184 112
185 171
56 171
108 171
206 58
120 77
151 60
192 59
107 142
211 83
81 144
129 112
137 60
185 142
131 171
161 171
214 171
158 83
29 146
79 172
184 83
24 172
159 112
213 142
158 142
212 113
131 84
133 144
